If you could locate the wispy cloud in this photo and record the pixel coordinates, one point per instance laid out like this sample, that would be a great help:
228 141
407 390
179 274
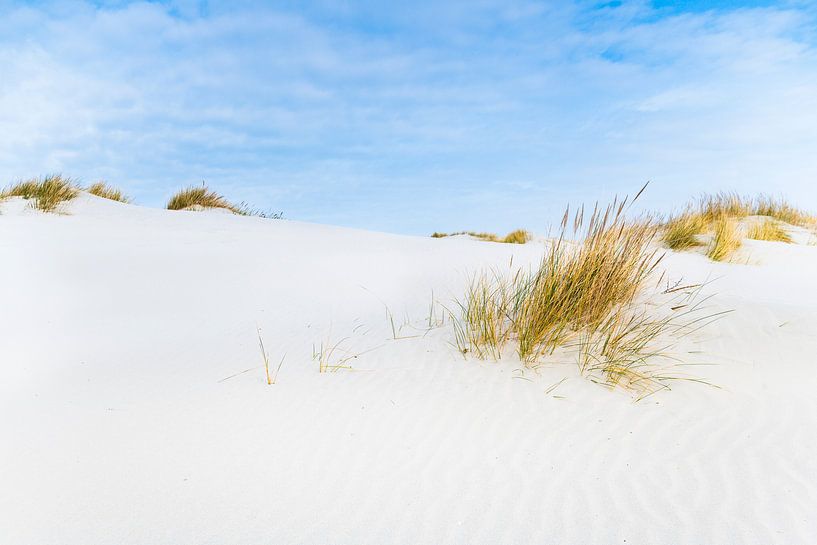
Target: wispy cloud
471 115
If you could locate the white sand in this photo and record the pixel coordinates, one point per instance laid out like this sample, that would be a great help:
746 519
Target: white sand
120 323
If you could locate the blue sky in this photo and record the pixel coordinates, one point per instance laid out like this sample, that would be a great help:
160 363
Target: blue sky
414 117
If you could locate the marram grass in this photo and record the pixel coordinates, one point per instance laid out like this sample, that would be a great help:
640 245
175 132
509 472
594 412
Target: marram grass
584 296
46 194
102 189
519 236
770 230
200 196
681 232
725 240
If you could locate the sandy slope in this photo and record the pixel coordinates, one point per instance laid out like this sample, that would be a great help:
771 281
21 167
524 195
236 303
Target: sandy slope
120 324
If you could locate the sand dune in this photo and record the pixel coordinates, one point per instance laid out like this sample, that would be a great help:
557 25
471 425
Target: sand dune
135 410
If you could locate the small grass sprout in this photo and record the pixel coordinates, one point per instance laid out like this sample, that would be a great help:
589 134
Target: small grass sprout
271 377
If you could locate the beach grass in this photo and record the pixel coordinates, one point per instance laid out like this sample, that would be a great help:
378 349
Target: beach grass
106 191
46 194
726 238
681 232
769 230
199 196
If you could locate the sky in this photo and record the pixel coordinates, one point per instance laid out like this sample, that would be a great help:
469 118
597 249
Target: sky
413 117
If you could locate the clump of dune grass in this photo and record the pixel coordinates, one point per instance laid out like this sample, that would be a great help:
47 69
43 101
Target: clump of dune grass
780 209
594 297
46 194
577 286
731 204
199 196
770 230
590 295
520 236
725 240
485 315
681 232
102 189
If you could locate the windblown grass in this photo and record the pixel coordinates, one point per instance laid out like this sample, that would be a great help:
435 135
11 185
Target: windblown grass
681 232
720 213
726 239
779 209
199 196
102 189
731 204
769 229
520 236
589 296
46 194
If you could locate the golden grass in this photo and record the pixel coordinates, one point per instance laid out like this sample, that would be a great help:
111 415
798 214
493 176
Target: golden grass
202 196
586 296
769 229
47 194
577 287
726 239
102 189
779 209
520 236
714 206
681 232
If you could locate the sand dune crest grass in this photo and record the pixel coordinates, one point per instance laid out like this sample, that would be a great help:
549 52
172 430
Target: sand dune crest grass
681 231
199 196
726 239
588 296
770 230
46 194
102 189
519 236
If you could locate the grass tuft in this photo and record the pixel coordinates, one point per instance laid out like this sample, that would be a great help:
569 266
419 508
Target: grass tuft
726 239
590 296
200 196
47 194
769 229
102 189
520 236
680 232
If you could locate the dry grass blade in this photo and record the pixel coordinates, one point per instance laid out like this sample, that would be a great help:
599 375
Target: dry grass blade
102 189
